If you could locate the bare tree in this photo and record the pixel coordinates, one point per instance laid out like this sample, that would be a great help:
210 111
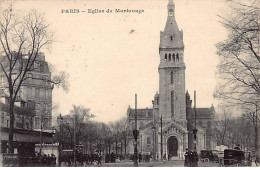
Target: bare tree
239 67
222 127
21 39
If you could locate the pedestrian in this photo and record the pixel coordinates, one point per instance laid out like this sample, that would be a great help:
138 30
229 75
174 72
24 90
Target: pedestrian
140 157
256 160
249 160
187 158
99 158
237 147
195 159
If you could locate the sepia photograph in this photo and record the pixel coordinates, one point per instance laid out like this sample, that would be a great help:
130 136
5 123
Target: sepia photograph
129 83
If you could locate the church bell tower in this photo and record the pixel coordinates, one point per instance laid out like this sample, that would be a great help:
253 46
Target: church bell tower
172 105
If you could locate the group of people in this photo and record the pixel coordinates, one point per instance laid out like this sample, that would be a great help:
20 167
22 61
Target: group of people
81 159
191 158
112 157
251 159
38 158
144 157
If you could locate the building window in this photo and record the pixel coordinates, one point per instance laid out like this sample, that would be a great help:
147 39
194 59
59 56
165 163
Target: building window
171 37
2 79
2 120
36 65
27 125
46 79
13 76
37 122
170 57
29 92
165 58
46 94
45 108
37 93
37 106
148 141
29 76
177 57
173 57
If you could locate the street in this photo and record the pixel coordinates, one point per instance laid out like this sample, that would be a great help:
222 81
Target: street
174 163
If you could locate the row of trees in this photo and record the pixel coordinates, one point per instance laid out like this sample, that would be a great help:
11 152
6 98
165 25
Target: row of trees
77 128
230 131
239 72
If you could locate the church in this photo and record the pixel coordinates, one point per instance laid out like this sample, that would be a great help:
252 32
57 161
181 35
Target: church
166 130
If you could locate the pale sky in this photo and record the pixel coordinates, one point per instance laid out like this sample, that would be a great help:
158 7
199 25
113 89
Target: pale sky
107 64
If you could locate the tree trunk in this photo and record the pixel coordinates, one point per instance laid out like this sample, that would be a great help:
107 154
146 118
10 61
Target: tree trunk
116 145
109 147
125 148
11 127
121 147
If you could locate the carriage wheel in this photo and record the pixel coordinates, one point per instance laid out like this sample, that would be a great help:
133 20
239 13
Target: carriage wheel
206 160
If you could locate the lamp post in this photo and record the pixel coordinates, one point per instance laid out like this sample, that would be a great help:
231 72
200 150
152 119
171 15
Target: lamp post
195 129
74 139
60 121
154 149
135 133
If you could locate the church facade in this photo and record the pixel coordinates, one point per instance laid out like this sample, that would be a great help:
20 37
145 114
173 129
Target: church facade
166 129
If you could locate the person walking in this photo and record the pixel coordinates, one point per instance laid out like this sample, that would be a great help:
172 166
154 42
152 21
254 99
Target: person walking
249 160
187 158
99 158
256 160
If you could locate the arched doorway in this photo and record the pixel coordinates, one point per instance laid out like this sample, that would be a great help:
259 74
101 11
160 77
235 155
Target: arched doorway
172 147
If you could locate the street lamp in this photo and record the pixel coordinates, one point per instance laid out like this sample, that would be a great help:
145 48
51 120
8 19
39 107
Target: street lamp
135 133
195 129
154 149
161 139
60 123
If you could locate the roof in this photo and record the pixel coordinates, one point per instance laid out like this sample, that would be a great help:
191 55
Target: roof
148 112
18 110
204 112
150 124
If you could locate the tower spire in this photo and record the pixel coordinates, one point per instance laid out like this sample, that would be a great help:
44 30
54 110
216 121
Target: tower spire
170 2
171 7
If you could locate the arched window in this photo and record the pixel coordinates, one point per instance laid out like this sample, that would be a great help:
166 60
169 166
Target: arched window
170 57
165 58
171 37
177 57
173 57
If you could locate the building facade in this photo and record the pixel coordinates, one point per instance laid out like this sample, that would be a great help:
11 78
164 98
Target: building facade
32 108
166 130
35 92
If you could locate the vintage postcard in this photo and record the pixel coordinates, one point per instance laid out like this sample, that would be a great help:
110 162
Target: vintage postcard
126 83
